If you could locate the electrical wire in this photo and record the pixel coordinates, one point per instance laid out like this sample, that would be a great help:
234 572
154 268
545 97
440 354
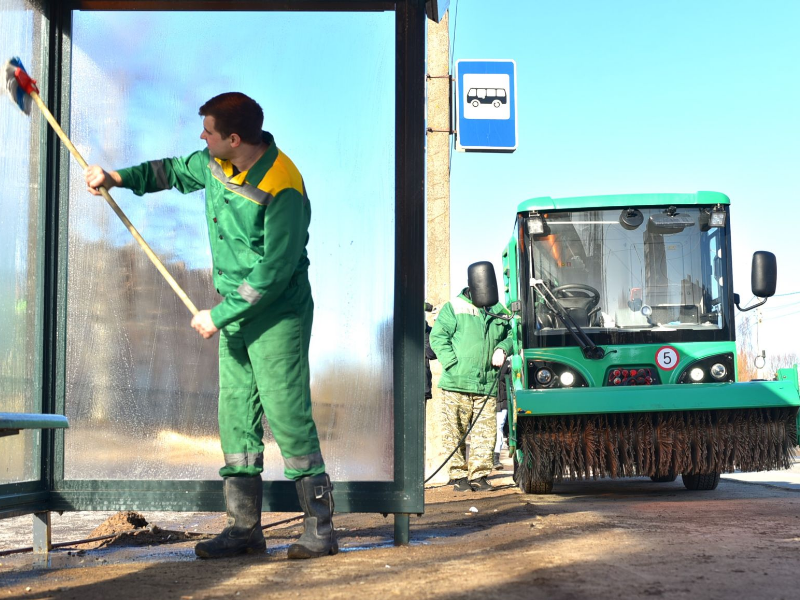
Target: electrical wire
453 43
773 316
452 62
774 307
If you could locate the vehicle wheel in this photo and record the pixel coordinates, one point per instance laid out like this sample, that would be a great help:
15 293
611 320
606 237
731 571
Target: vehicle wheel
664 478
475 103
704 481
530 485
538 487
496 103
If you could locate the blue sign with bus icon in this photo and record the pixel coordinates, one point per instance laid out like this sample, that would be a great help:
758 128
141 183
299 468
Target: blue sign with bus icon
486 105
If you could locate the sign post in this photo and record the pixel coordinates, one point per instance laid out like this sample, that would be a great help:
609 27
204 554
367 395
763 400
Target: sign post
486 105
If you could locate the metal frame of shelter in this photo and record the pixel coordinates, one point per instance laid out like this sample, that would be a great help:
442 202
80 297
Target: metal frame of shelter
401 497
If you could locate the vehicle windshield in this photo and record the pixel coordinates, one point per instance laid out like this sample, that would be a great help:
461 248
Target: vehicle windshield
655 268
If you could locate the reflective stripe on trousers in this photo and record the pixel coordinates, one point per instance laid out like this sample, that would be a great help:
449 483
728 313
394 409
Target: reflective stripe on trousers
263 370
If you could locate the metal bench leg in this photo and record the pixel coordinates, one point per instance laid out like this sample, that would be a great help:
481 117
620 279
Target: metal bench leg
401 529
41 532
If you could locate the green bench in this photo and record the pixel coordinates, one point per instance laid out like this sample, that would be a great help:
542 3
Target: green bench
13 424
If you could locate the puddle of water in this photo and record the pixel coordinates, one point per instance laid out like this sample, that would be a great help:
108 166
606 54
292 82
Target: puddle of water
376 545
74 559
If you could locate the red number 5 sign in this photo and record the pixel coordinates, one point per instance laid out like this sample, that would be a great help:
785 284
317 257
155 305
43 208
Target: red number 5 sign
667 358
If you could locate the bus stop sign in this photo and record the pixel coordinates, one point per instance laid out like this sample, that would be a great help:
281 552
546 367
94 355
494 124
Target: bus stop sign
486 105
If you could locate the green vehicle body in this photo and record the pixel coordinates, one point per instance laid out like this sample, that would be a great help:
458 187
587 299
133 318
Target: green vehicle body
593 392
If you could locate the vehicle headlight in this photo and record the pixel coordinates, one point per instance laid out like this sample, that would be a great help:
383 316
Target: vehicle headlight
718 371
697 374
567 379
553 375
711 369
544 376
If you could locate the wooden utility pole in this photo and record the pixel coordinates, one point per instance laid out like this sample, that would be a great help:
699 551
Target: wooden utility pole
437 192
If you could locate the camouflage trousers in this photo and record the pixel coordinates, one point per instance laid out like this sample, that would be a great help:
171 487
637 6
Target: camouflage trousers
458 411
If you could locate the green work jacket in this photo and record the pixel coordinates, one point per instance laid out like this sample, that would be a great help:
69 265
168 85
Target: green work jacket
257 222
464 339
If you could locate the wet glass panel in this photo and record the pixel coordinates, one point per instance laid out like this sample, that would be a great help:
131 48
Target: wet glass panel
20 282
142 386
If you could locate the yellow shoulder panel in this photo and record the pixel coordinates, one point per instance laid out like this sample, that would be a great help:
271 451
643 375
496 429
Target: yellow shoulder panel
282 175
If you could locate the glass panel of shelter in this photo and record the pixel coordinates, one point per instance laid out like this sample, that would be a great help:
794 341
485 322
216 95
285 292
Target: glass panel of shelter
21 256
137 376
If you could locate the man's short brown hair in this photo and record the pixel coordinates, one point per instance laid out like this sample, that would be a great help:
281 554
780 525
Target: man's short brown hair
237 113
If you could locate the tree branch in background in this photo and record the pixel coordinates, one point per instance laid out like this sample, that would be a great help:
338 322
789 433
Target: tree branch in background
746 350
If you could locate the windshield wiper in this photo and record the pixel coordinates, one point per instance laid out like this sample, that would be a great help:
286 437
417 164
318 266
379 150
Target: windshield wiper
589 348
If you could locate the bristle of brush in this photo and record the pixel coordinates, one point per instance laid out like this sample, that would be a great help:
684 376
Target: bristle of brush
654 444
20 97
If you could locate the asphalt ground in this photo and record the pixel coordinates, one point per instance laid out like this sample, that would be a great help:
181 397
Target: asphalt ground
590 539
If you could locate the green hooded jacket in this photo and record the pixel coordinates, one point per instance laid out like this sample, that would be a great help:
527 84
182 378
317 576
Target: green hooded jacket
464 339
257 223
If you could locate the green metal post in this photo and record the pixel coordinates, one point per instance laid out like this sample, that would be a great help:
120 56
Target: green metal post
41 532
401 529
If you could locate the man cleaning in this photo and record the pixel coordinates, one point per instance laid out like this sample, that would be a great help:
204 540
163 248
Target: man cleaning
258 216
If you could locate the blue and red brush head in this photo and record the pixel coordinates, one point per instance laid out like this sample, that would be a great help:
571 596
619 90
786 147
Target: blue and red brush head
19 85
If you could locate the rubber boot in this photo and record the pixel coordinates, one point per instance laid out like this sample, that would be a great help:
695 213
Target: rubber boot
316 499
243 534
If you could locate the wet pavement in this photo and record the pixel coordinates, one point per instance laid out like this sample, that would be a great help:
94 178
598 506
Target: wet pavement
188 528
627 538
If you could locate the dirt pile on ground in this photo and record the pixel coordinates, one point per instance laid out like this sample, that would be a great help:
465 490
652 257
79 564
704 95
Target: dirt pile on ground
129 528
123 521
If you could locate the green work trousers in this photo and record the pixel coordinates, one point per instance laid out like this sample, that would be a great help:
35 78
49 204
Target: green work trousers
263 370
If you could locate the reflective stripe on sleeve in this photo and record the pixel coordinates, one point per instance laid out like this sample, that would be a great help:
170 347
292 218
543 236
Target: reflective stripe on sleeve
250 294
160 174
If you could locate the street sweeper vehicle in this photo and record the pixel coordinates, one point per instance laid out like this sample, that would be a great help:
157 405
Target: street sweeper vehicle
625 353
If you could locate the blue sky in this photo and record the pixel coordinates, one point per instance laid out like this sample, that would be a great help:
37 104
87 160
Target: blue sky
637 97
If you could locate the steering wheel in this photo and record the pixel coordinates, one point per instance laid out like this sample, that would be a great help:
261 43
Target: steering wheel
569 291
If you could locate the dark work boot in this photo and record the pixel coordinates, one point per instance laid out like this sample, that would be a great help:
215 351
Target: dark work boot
243 533
461 485
498 466
316 498
481 485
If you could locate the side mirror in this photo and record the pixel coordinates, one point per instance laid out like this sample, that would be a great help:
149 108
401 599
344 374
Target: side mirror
482 284
764 274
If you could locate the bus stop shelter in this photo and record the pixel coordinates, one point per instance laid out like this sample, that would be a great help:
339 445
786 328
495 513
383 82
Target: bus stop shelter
95 337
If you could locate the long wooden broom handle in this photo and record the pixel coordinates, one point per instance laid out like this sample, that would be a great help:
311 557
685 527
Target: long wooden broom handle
151 255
